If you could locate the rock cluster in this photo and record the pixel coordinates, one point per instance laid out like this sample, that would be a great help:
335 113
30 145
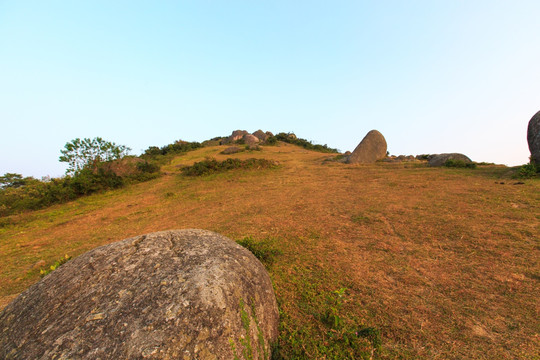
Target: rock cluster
399 158
533 138
185 294
372 148
251 140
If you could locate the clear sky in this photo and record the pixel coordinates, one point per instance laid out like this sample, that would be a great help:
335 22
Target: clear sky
433 76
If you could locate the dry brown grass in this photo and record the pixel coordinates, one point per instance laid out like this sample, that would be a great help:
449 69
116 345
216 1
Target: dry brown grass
443 261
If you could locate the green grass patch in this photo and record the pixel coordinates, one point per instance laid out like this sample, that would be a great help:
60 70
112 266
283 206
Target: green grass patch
289 138
264 250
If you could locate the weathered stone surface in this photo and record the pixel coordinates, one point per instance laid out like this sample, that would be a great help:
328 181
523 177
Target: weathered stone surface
250 140
440 159
261 135
533 138
231 150
168 295
235 136
372 148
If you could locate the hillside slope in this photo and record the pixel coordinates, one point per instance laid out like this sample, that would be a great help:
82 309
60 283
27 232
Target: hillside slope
437 263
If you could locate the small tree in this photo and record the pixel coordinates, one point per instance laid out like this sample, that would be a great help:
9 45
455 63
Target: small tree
89 153
12 180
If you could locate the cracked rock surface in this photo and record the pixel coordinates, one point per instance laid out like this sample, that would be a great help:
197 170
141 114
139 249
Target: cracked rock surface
182 294
533 138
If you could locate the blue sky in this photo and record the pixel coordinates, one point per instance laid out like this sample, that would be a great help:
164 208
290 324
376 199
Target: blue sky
432 76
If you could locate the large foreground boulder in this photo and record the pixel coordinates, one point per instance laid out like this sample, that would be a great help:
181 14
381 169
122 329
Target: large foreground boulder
441 159
533 138
373 147
185 294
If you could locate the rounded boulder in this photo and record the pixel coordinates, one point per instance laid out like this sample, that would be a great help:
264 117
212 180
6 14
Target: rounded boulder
183 294
261 135
373 147
441 159
533 138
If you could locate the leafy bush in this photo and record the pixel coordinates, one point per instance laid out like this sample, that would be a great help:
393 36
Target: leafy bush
12 180
459 164
147 167
174 148
211 166
528 171
89 153
34 194
271 140
288 138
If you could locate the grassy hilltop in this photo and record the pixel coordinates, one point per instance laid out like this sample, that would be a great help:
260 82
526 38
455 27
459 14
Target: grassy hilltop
388 260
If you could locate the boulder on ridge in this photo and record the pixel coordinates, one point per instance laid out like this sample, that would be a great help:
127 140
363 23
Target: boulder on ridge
441 159
533 138
372 148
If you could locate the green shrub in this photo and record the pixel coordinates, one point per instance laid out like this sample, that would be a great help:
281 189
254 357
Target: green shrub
528 171
12 180
211 166
271 140
90 153
34 194
174 148
147 167
459 164
304 143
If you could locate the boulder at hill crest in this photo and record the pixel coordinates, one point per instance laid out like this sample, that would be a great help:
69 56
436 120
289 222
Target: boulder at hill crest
181 294
441 159
533 138
372 148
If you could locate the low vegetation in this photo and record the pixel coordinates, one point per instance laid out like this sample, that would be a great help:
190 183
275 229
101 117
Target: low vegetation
292 139
528 171
21 194
212 166
452 163
178 147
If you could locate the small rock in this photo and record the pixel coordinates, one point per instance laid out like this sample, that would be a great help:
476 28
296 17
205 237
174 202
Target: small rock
231 150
